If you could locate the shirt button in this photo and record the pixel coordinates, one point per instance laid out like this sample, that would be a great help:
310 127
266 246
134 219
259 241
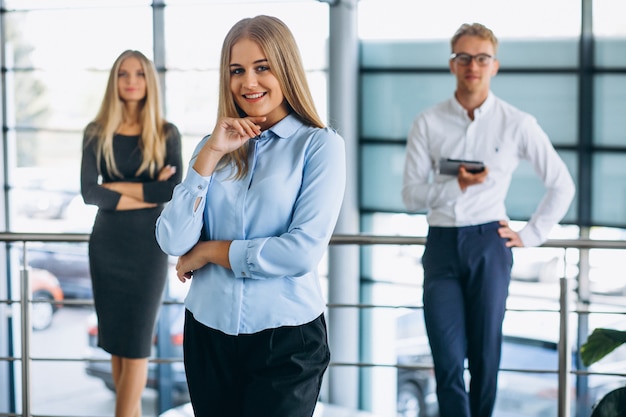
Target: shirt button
243 273
199 187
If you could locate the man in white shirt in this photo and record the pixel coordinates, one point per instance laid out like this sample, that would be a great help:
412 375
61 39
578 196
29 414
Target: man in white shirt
467 260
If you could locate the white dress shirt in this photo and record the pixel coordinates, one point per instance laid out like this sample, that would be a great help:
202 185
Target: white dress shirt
500 136
280 218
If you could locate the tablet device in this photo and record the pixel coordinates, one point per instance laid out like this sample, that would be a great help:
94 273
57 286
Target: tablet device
449 166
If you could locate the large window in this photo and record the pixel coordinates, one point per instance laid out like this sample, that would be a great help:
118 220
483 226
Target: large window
548 68
57 58
57 54
56 80
544 70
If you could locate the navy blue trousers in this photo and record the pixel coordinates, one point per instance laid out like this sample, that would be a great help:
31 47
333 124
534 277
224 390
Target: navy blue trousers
273 373
467 271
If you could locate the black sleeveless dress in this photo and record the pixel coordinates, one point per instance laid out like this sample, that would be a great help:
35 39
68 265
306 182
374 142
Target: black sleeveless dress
128 269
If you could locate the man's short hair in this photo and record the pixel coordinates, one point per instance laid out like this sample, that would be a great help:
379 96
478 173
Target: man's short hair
474 29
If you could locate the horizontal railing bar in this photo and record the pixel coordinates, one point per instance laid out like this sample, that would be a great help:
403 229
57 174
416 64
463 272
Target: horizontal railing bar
344 364
420 240
75 302
430 367
44 237
340 239
60 359
347 305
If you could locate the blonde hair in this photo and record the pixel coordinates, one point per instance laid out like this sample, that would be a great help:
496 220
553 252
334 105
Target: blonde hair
282 53
111 115
474 29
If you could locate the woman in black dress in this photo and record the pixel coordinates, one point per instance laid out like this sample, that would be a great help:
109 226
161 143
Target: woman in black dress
131 163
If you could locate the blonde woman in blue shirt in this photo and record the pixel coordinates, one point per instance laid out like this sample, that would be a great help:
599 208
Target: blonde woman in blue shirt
250 223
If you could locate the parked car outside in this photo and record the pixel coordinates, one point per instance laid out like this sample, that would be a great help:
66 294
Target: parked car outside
46 296
45 193
68 261
528 347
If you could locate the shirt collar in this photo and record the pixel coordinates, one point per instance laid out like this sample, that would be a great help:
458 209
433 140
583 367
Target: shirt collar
485 107
479 111
283 129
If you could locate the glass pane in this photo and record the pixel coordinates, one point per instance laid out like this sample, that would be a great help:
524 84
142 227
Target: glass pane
544 53
609 99
47 200
59 100
551 99
605 18
405 54
608 202
221 2
87 39
610 33
381 177
401 264
605 265
50 149
407 19
512 53
45 184
610 52
390 102
193 44
526 190
62 4
191 100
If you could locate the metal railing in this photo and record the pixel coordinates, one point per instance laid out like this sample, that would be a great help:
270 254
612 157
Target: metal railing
564 345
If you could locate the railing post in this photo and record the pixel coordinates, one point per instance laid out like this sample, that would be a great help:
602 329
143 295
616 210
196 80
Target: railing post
565 352
26 332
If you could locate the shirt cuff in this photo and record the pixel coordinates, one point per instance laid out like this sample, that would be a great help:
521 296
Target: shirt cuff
196 183
238 258
530 238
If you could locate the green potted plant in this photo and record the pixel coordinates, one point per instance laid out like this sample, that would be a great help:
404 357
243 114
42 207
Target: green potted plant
600 343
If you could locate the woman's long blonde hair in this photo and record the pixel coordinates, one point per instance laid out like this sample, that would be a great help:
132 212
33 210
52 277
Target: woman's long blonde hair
111 116
282 53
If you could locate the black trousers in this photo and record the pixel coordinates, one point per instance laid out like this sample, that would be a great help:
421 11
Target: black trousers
467 271
274 373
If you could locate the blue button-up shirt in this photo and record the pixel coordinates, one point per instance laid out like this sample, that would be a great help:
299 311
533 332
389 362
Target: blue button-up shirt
280 218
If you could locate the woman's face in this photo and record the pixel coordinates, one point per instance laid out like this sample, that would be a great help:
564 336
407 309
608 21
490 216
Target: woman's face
255 88
131 84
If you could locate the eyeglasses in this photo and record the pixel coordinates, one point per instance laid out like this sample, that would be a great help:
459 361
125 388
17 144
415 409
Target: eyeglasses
466 59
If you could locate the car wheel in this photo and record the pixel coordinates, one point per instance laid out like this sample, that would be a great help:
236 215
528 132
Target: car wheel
42 312
410 400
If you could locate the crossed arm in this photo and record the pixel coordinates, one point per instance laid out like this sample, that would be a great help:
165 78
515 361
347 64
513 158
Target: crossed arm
132 197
